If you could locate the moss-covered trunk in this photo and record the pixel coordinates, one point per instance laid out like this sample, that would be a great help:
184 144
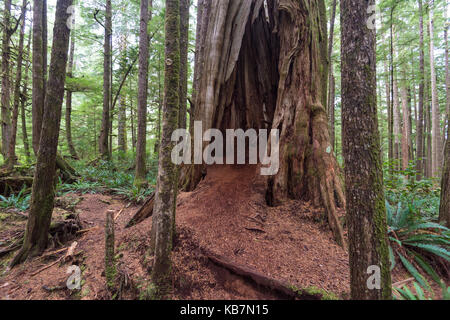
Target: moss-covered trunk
366 213
43 191
5 73
12 159
39 69
444 215
68 116
141 145
165 196
107 99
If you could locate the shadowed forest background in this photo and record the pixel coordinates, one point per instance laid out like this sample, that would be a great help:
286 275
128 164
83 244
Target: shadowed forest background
91 92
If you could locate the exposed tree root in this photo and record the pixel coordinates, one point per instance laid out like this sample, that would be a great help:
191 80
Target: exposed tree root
60 232
278 287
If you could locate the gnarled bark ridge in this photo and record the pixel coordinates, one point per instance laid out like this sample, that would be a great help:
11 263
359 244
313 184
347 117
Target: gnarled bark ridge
260 67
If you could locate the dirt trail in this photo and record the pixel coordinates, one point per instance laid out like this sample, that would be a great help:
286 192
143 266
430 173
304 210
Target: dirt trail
225 215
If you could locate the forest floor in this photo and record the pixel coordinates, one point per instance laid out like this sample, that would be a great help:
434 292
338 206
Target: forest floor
225 216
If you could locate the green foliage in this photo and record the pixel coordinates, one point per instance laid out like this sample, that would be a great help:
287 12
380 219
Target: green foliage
402 187
21 201
411 236
415 236
115 177
405 293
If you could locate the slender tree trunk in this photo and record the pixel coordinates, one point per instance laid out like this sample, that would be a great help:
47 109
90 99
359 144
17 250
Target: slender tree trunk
397 125
43 192
39 68
12 159
363 170
184 41
23 101
389 109
6 84
323 44
444 213
429 153
331 80
68 117
141 146
331 111
420 123
165 194
122 108
435 113
107 51
158 120
406 124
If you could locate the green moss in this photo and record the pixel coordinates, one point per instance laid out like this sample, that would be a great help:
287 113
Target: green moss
313 291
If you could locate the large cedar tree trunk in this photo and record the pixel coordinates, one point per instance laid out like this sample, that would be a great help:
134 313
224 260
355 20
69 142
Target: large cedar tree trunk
263 69
43 191
368 245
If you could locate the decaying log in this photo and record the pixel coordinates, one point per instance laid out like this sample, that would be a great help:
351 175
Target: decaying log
12 184
285 290
67 172
146 211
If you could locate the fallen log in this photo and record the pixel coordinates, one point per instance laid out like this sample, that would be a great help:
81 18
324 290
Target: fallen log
283 289
146 211
14 184
68 173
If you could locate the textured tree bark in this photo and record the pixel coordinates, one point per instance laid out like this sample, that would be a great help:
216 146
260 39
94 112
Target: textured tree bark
397 125
324 54
263 69
11 158
406 124
420 120
447 72
105 128
389 110
361 146
23 100
444 212
43 191
141 146
39 68
68 117
331 80
165 196
122 99
435 112
184 41
6 85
